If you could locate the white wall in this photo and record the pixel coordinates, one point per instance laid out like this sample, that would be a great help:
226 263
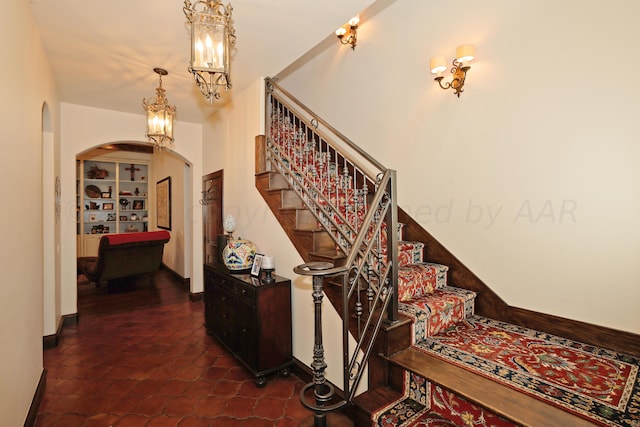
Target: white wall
83 128
167 164
531 176
229 144
26 84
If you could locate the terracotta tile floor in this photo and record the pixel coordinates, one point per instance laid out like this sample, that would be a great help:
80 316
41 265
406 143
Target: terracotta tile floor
157 367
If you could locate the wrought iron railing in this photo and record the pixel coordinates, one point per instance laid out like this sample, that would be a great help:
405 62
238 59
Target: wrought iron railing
353 197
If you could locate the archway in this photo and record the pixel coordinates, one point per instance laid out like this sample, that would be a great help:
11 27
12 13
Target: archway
159 165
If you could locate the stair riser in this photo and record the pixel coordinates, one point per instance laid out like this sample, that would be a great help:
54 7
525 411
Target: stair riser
462 412
290 199
276 180
431 399
305 220
323 242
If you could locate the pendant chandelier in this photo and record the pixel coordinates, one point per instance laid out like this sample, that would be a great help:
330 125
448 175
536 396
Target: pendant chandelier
160 116
212 35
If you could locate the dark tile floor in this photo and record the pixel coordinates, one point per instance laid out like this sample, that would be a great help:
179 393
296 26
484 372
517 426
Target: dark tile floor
156 366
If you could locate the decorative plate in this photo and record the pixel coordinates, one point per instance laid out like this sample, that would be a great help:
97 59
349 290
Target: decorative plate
93 191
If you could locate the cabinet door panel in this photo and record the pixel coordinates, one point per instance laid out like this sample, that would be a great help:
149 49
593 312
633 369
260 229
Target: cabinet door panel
246 334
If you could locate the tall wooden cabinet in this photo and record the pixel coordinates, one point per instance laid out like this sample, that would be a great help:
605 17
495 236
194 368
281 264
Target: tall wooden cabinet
251 319
112 197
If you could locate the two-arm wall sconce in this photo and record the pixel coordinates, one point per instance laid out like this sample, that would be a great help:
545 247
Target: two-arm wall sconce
438 64
348 33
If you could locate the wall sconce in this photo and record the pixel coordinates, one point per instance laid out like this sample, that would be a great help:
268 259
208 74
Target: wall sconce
348 33
438 64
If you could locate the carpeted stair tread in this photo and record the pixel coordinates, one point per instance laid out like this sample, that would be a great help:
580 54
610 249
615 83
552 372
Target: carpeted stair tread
595 383
499 399
438 310
419 279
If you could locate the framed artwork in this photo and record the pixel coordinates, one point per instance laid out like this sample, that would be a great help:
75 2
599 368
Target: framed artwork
123 218
138 205
107 206
257 263
163 203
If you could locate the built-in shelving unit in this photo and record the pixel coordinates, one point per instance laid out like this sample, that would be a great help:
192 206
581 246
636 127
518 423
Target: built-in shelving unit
112 197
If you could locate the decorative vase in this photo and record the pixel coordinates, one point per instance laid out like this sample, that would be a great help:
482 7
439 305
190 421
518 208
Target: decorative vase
238 254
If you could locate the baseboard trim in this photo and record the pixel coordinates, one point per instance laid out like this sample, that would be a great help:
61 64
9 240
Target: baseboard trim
30 421
196 296
184 282
302 371
51 341
599 336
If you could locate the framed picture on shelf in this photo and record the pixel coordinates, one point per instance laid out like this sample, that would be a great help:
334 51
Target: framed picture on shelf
123 218
138 205
257 263
106 195
107 206
163 203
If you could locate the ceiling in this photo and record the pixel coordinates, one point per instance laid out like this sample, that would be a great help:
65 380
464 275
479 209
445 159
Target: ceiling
102 53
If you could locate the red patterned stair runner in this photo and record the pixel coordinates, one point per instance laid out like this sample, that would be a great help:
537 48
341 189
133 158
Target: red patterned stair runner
428 405
425 297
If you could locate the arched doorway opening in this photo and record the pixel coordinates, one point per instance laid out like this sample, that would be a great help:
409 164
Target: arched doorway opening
130 173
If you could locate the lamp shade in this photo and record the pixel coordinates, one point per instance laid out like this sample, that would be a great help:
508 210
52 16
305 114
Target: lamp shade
465 53
438 64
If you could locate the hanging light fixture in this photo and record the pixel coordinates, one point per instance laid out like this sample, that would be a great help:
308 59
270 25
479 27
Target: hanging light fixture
212 35
160 116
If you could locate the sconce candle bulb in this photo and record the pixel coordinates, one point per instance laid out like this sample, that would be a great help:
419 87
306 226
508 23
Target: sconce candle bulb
464 54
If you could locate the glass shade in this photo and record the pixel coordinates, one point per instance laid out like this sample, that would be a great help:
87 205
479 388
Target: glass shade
160 124
209 43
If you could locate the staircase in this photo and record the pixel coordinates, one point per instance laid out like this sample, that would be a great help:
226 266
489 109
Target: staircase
334 210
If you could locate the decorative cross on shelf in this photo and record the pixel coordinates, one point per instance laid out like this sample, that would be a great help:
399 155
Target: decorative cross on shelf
133 170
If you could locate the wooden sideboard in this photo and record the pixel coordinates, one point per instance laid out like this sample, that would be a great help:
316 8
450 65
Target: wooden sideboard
251 319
